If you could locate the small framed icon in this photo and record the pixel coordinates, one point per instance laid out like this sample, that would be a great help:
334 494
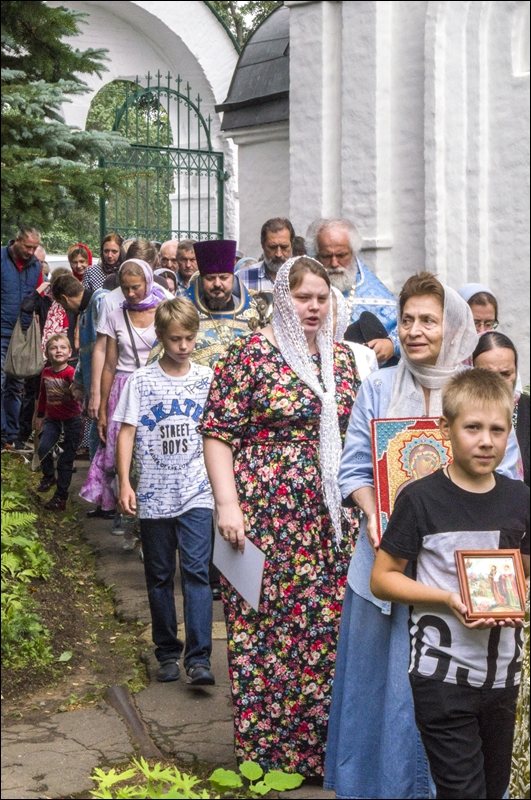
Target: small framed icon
492 583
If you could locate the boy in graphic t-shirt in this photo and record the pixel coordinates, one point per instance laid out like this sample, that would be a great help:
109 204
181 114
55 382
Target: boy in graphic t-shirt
464 675
60 412
159 410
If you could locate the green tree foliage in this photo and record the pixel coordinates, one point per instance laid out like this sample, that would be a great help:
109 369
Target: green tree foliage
83 225
144 198
243 18
149 126
48 167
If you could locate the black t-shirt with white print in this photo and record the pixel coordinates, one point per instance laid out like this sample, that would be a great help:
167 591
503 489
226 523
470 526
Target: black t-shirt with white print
432 519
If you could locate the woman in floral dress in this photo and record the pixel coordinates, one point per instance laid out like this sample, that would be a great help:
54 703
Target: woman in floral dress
272 445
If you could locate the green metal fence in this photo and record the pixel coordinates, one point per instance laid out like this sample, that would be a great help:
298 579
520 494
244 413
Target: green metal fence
178 184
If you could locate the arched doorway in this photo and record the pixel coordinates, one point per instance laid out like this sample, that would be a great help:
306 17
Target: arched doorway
178 184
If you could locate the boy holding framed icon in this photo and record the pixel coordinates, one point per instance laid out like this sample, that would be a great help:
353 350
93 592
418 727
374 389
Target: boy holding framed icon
464 672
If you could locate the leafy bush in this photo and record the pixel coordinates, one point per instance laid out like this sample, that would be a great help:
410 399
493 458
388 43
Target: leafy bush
24 639
224 780
169 782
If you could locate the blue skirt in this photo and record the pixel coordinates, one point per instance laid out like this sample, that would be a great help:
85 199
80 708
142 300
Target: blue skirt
374 749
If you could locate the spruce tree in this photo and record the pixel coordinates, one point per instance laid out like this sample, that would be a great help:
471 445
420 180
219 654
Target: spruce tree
48 167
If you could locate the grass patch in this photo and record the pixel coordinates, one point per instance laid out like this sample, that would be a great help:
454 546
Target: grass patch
74 645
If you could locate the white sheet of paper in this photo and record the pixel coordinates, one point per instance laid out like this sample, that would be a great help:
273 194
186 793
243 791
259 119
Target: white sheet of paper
243 570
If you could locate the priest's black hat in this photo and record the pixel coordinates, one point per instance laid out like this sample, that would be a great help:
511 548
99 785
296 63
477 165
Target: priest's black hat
365 329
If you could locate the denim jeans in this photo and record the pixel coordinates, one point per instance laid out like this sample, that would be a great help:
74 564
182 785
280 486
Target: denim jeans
190 534
11 399
50 436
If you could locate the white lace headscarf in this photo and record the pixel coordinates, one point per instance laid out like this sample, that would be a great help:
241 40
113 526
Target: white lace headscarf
342 315
293 345
459 341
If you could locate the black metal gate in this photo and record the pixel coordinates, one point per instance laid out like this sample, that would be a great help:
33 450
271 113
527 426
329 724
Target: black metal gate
178 184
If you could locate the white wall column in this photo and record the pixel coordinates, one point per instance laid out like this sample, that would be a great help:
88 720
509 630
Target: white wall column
315 111
477 153
263 166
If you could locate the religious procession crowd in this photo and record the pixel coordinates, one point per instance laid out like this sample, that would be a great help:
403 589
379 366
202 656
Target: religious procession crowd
221 396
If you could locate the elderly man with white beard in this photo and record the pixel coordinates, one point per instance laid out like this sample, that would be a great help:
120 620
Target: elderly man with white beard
335 242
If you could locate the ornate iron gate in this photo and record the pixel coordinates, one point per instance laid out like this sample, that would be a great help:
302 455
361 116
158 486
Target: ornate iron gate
176 191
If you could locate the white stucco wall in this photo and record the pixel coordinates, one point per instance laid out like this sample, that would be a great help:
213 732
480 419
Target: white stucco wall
356 113
477 154
412 119
182 38
263 184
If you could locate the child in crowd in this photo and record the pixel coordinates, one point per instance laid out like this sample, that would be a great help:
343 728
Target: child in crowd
61 413
464 675
159 409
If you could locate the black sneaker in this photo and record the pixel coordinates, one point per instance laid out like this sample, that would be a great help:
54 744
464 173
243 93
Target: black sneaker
199 675
169 671
46 484
99 512
56 504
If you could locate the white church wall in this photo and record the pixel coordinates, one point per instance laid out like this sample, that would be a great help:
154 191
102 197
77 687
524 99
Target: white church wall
433 128
477 154
263 186
407 201
509 190
315 112
357 72
183 38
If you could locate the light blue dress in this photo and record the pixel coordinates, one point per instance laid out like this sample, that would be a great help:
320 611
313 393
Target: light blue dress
374 749
371 295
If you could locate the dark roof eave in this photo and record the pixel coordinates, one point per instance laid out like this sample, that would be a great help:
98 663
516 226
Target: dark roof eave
252 101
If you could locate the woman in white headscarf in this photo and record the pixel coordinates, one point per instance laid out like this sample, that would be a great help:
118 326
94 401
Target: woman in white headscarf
278 405
374 749
483 304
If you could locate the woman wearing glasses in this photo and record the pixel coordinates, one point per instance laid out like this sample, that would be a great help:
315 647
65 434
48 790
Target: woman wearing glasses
483 305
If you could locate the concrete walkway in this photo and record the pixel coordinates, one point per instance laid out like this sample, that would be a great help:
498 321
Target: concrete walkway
55 757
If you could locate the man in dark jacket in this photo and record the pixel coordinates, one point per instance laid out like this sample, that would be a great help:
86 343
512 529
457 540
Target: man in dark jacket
20 275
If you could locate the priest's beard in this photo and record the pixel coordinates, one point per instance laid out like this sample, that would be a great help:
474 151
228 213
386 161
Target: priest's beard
342 278
218 303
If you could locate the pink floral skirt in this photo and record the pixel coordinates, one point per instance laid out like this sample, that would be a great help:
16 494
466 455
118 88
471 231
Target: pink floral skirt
101 484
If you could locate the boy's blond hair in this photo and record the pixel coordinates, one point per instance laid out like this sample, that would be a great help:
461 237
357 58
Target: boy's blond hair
476 386
55 338
179 310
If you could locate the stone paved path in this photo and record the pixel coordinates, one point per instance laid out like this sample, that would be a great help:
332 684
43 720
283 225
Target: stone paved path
55 757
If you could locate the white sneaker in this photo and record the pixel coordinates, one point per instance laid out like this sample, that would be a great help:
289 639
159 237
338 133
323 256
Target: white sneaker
129 541
118 526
